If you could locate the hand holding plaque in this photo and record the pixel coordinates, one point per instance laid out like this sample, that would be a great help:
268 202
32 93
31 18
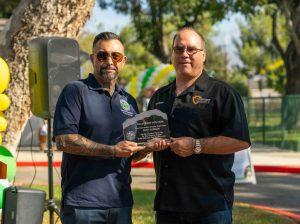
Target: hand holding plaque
146 126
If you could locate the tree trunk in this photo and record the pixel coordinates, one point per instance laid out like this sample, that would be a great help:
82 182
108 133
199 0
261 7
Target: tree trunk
160 47
292 56
31 19
292 64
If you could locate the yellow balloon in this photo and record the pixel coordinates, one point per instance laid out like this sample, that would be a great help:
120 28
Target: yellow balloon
0 139
3 122
4 75
4 102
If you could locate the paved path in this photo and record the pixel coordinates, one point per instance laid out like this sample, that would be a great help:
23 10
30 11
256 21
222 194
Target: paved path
276 190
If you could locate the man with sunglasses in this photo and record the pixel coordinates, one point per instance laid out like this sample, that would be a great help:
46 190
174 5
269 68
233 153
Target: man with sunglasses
207 125
88 129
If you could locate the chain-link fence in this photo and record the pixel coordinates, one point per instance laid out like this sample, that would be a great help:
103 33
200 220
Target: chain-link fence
274 121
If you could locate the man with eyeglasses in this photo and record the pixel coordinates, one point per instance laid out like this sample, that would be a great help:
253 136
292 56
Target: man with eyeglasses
207 125
88 129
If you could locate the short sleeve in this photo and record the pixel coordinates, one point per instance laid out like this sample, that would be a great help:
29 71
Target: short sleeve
67 112
233 118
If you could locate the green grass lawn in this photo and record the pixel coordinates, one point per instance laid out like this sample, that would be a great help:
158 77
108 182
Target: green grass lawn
143 210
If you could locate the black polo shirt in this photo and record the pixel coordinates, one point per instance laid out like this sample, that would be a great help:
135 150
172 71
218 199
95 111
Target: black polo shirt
85 108
198 183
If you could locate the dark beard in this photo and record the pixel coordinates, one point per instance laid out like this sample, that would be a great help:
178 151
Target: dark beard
108 75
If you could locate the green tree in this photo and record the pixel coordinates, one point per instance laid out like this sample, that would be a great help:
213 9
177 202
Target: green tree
239 82
257 51
7 7
85 40
290 54
154 24
150 18
216 61
139 58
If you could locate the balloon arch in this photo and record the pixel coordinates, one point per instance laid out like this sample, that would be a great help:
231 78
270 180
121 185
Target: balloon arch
151 77
7 160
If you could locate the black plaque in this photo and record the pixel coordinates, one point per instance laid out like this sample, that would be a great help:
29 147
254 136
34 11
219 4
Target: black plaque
146 126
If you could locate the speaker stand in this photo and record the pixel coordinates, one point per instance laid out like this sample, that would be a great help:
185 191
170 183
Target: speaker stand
51 206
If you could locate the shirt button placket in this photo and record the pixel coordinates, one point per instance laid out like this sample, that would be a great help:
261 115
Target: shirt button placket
165 182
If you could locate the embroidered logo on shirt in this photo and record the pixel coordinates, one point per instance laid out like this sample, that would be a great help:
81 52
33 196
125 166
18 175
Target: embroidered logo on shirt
199 99
125 106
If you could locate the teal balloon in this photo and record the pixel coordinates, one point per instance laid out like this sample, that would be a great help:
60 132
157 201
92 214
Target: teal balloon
1 195
7 158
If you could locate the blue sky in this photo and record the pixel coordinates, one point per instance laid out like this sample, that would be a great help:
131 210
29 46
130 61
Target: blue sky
228 31
111 21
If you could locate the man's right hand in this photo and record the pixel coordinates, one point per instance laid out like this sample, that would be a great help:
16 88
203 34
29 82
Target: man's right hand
126 149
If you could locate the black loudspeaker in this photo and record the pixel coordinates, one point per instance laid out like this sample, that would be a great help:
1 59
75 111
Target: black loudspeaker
53 62
23 206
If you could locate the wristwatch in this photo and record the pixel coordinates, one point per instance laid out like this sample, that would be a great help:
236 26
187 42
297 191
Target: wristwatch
198 147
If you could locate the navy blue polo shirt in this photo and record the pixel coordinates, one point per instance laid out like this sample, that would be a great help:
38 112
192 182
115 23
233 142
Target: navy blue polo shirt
85 108
198 183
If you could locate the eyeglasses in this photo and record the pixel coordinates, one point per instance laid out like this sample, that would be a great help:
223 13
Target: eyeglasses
115 56
189 50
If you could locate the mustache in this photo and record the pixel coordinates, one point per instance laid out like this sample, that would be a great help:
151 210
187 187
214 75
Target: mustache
109 67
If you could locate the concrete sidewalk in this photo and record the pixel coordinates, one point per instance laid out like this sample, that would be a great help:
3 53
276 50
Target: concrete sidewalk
272 156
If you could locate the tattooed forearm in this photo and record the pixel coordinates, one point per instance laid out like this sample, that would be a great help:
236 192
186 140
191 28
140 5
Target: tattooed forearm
79 145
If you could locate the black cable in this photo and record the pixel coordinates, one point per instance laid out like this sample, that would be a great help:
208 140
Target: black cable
31 150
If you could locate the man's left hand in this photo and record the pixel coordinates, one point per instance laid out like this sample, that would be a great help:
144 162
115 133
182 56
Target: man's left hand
183 146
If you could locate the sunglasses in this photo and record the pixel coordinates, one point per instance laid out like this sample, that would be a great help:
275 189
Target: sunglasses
102 56
189 50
